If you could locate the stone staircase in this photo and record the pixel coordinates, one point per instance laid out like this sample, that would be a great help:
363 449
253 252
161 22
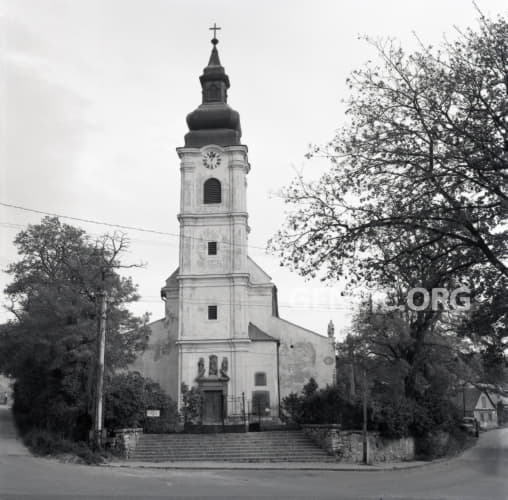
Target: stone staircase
269 446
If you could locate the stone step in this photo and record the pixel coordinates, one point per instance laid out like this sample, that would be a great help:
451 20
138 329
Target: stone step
240 458
228 455
231 452
261 459
272 446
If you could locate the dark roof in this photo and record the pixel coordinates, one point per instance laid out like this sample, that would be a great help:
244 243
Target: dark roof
214 121
258 335
469 398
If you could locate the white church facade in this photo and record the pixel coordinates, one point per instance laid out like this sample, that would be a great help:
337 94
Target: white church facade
221 331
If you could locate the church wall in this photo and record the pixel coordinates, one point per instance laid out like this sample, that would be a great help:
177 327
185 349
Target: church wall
303 354
260 305
261 358
229 297
244 361
229 258
191 354
159 361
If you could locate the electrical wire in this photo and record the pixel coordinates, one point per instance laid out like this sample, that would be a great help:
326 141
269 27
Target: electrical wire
122 226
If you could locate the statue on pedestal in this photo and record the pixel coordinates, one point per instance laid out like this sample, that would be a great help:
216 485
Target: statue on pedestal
201 367
224 368
212 367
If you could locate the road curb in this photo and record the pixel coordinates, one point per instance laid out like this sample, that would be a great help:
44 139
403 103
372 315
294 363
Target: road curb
296 466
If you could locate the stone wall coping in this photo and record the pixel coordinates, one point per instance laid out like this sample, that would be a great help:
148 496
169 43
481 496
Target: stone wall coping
322 426
128 430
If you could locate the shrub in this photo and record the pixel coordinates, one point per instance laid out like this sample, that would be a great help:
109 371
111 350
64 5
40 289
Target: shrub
129 395
393 416
44 443
321 406
192 404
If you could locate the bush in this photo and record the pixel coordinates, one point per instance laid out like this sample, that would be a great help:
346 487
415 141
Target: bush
192 404
441 443
43 443
321 406
127 398
393 417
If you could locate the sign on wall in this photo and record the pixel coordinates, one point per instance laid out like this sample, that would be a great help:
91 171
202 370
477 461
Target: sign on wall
153 413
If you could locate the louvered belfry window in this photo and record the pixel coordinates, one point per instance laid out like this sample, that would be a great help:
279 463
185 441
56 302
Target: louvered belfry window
212 191
212 312
212 248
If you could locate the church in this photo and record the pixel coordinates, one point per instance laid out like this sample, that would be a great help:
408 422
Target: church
221 330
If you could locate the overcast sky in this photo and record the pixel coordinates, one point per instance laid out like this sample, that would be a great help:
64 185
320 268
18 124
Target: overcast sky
94 94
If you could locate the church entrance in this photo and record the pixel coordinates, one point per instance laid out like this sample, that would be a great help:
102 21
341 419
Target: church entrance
212 407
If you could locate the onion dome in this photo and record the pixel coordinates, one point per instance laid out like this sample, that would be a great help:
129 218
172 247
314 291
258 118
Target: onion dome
214 121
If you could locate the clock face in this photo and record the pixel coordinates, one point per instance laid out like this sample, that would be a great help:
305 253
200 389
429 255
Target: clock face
211 159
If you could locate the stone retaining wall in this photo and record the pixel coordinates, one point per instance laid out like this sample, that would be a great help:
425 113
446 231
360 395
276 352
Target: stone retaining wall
347 446
126 440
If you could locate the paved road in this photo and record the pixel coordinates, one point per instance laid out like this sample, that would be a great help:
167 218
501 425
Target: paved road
481 473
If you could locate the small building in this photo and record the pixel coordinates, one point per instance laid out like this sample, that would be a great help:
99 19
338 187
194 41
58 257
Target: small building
479 404
222 332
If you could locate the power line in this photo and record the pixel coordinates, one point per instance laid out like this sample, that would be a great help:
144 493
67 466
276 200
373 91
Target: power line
121 226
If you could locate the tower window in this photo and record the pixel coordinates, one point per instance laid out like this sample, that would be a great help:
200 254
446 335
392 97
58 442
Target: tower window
212 312
260 378
212 248
212 191
213 93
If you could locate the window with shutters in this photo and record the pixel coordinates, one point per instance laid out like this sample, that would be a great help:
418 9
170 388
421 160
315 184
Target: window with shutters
260 378
261 403
212 248
212 312
212 191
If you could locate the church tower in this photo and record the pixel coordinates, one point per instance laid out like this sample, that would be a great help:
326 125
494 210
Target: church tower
213 275
221 331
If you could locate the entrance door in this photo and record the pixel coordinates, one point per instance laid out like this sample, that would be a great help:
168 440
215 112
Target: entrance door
212 408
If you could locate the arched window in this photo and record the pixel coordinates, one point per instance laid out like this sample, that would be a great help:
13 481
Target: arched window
213 93
212 191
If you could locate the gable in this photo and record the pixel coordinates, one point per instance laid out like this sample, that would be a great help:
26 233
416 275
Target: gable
484 402
258 335
172 281
257 275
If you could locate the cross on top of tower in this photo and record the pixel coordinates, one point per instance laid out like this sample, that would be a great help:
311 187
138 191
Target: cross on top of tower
214 28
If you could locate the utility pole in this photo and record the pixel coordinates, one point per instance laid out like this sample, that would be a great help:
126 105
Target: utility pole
364 429
99 387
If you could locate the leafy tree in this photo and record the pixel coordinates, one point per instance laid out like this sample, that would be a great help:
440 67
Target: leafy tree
419 174
416 196
129 395
411 381
50 347
487 327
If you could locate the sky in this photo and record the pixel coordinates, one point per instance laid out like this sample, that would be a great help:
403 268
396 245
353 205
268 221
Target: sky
94 95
